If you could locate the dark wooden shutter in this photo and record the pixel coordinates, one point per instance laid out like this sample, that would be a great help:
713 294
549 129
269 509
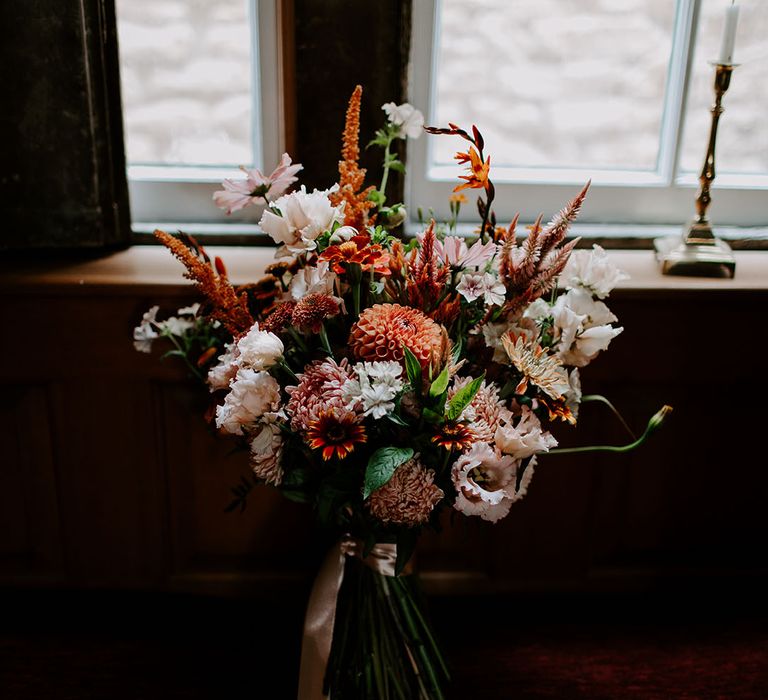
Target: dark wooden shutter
62 166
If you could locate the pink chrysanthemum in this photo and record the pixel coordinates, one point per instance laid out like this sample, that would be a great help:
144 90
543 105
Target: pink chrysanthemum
319 389
409 497
383 330
486 412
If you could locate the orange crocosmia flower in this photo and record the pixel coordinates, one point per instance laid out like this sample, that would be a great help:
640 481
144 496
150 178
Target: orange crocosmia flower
360 250
336 435
478 171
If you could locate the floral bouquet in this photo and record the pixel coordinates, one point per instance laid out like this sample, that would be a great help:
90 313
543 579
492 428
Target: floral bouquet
385 381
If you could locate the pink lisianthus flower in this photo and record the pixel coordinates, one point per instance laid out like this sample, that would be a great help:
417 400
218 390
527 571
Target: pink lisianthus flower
454 251
239 194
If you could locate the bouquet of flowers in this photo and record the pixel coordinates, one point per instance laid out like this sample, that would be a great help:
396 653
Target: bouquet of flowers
385 381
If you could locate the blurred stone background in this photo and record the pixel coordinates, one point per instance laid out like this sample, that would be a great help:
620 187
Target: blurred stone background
552 83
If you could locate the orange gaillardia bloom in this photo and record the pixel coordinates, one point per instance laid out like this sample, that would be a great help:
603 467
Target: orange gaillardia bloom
455 436
360 250
478 171
336 434
383 329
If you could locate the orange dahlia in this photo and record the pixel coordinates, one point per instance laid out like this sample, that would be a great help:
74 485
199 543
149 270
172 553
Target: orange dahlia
383 330
335 433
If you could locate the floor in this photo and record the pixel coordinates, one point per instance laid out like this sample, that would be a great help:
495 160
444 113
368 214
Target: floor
74 645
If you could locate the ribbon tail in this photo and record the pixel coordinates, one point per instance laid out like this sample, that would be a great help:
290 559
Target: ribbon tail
318 625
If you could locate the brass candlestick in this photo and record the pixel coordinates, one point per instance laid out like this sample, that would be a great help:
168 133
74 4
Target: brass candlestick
700 252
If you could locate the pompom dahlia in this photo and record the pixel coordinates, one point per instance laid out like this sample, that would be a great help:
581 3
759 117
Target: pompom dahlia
383 329
319 389
409 497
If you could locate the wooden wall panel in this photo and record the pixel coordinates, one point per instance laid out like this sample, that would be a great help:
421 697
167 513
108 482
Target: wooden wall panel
30 537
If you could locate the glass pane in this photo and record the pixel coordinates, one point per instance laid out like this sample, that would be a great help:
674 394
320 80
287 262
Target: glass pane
185 68
556 83
742 135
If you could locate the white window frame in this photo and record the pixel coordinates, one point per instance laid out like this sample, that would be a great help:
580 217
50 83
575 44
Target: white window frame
163 194
663 197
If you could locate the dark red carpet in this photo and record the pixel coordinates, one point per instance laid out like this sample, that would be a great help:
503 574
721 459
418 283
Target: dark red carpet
59 645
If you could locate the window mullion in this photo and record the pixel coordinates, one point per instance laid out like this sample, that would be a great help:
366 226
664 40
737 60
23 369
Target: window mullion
680 70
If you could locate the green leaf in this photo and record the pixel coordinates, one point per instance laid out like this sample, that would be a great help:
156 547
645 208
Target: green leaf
396 419
463 397
397 166
440 384
297 496
406 544
456 351
382 465
376 197
413 368
431 416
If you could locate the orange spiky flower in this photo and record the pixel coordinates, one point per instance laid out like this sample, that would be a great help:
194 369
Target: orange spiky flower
351 175
211 281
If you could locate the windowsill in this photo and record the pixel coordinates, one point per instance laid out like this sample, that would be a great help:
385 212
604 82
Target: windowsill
145 268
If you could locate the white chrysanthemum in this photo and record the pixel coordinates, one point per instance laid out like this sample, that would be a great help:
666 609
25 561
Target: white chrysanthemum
582 326
312 279
593 271
220 375
251 395
407 117
267 450
375 388
303 217
525 438
485 482
145 333
259 349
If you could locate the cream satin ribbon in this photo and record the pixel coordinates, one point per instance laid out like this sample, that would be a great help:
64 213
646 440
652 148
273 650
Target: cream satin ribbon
321 609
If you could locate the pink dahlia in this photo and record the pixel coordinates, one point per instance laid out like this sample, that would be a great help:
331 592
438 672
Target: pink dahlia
319 390
409 497
383 330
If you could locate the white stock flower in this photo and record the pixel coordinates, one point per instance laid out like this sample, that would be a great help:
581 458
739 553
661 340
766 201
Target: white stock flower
305 215
524 439
474 286
225 370
189 310
144 333
251 395
407 117
593 271
176 326
317 279
375 389
583 326
485 482
259 349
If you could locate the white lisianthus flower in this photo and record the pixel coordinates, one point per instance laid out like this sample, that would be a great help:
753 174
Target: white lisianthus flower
303 217
538 310
225 370
407 117
145 333
251 395
375 389
524 439
583 327
259 349
593 271
318 279
485 482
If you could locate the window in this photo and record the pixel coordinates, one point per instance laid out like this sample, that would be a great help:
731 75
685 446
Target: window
200 97
616 91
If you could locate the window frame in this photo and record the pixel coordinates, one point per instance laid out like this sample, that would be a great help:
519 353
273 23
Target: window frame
164 194
663 197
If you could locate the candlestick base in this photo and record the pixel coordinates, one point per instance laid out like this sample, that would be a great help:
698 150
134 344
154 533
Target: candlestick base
696 255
